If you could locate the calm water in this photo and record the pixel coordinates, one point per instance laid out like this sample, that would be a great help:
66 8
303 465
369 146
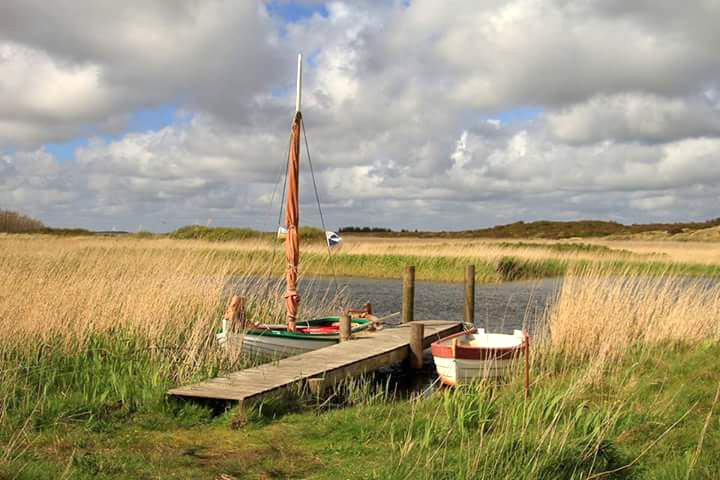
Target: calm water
500 308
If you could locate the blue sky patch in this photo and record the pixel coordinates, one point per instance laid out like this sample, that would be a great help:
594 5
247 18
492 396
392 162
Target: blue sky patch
156 118
293 12
151 119
65 150
521 114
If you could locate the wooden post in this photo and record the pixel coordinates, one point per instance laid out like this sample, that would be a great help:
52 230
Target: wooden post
470 294
345 326
234 318
417 335
408 301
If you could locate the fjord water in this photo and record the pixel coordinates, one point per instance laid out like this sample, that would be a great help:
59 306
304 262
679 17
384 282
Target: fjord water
498 307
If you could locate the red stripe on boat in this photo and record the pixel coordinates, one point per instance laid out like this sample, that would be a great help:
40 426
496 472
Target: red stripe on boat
475 353
328 329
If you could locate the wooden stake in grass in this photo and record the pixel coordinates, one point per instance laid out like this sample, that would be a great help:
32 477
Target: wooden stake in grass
408 303
234 318
417 335
470 294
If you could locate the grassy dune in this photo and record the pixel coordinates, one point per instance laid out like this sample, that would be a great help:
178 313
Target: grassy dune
93 331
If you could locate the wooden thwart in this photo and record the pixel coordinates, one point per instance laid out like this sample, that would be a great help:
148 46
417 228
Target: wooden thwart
364 353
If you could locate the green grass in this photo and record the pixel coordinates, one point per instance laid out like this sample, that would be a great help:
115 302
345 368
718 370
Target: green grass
437 268
226 234
452 268
565 247
107 417
215 233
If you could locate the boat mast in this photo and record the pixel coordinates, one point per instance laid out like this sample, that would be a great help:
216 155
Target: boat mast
292 211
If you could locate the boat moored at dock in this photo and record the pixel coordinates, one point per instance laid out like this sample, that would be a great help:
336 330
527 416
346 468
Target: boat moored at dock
476 355
276 341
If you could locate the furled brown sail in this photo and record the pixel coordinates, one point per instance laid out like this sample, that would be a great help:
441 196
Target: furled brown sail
292 217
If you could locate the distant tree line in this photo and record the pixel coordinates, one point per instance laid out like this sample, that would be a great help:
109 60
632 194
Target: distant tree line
14 222
364 230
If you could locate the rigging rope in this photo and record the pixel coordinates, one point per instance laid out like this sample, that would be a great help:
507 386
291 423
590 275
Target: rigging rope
282 199
317 199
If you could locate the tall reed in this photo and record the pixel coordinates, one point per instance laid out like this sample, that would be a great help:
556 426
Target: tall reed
88 331
598 316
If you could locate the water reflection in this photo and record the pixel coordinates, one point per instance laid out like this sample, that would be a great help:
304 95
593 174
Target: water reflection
498 307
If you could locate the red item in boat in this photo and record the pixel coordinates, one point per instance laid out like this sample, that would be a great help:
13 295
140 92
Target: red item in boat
328 329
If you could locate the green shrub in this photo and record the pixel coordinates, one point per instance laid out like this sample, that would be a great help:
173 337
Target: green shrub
216 234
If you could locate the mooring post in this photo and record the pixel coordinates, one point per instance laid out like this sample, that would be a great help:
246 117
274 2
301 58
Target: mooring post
470 294
408 302
417 335
234 318
345 326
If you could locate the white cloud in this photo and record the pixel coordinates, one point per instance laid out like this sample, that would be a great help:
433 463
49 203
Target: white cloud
496 55
654 202
635 117
402 103
77 66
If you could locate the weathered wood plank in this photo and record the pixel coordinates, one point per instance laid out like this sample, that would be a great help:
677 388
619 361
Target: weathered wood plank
362 354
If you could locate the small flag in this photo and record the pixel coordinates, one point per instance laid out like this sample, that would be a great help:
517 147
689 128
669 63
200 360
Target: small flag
333 239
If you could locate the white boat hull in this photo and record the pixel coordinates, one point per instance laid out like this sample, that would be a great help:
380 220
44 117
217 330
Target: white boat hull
455 371
271 347
468 357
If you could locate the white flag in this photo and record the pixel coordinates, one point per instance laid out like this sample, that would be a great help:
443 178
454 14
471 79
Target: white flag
333 239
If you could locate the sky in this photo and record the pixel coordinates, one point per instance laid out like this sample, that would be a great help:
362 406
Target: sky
420 114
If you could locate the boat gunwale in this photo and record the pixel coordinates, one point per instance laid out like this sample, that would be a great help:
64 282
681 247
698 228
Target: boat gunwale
475 352
279 332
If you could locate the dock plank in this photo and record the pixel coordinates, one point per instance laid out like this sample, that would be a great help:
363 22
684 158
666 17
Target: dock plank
364 353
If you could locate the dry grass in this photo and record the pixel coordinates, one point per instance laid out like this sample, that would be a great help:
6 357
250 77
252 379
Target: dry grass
598 317
63 292
486 250
702 255
706 253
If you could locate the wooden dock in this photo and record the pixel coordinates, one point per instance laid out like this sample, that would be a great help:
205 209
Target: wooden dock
364 353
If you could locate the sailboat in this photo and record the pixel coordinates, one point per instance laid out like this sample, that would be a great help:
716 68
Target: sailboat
295 336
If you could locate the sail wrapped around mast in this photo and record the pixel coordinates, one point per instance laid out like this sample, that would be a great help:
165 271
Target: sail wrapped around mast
292 218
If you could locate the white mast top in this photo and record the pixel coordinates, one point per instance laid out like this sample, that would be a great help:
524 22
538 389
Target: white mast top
298 95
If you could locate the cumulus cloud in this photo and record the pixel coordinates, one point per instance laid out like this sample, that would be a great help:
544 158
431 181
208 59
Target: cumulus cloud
636 117
79 65
495 54
406 106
